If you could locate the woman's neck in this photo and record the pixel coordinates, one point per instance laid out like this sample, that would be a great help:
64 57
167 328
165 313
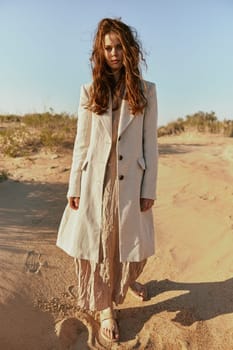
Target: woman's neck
116 76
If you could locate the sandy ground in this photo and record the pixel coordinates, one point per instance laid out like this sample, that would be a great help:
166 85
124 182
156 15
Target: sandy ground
189 279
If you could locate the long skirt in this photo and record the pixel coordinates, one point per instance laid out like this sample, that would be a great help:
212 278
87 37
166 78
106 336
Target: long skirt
100 284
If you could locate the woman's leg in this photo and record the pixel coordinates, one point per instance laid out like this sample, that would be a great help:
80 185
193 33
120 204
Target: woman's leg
139 291
108 325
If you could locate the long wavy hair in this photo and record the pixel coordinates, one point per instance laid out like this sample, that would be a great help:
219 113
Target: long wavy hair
130 80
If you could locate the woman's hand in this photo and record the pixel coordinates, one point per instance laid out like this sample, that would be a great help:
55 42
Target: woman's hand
146 203
74 202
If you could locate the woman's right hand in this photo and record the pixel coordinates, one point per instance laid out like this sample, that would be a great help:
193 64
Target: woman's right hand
74 202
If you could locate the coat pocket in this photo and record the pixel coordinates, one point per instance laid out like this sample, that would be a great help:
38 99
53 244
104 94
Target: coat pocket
84 166
141 163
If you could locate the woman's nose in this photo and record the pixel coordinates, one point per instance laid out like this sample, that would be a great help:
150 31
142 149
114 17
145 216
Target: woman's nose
114 51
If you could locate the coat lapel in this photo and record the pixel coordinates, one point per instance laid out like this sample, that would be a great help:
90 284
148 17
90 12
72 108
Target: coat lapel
125 117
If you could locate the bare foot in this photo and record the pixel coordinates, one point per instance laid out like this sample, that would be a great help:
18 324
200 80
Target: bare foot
139 291
108 325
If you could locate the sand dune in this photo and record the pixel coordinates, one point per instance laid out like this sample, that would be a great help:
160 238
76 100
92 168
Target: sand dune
189 279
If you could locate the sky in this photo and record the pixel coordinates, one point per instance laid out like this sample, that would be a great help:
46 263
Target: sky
45 48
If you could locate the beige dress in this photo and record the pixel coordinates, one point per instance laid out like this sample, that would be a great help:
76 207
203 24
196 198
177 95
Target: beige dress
101 284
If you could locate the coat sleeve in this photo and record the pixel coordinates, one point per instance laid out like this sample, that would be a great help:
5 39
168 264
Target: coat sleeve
150 145
81 144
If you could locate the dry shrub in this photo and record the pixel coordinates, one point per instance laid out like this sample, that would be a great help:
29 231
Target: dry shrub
173 128
11 118
18 142
37 131
201 122
228 128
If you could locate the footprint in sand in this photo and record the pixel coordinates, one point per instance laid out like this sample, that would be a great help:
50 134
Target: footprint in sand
33 262
184 344
72 333
207 196
77 333
71 292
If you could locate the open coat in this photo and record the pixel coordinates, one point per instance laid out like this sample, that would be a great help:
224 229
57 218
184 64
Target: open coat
80 231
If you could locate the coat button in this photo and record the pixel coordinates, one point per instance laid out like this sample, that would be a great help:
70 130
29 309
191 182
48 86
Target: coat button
121 177
120 157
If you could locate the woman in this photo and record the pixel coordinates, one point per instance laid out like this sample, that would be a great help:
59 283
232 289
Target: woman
108 224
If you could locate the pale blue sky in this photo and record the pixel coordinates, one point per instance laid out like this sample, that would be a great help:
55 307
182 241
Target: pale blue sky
45 47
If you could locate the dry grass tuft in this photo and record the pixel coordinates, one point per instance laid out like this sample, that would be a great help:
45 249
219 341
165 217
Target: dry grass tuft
22 136
201 122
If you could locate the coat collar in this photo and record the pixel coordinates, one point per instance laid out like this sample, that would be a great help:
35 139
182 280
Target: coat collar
125 118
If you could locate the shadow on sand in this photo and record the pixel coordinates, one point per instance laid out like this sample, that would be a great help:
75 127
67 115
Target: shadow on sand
178 148
24 327
32 211
203 301
29 211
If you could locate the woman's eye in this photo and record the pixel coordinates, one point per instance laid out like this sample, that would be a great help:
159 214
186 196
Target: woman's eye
108 48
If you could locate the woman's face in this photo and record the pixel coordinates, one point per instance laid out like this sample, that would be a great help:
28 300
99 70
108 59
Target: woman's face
113 52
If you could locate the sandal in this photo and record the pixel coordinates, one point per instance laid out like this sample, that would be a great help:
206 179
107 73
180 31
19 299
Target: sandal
108 325
139 291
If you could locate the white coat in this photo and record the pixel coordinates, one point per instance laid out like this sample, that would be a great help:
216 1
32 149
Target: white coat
137 154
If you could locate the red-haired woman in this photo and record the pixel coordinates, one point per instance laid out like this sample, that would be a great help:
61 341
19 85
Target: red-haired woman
108 224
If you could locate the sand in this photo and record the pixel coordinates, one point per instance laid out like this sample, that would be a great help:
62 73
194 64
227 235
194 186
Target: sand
189 279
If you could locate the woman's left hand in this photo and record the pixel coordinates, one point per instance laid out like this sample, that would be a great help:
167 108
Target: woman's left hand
146 203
